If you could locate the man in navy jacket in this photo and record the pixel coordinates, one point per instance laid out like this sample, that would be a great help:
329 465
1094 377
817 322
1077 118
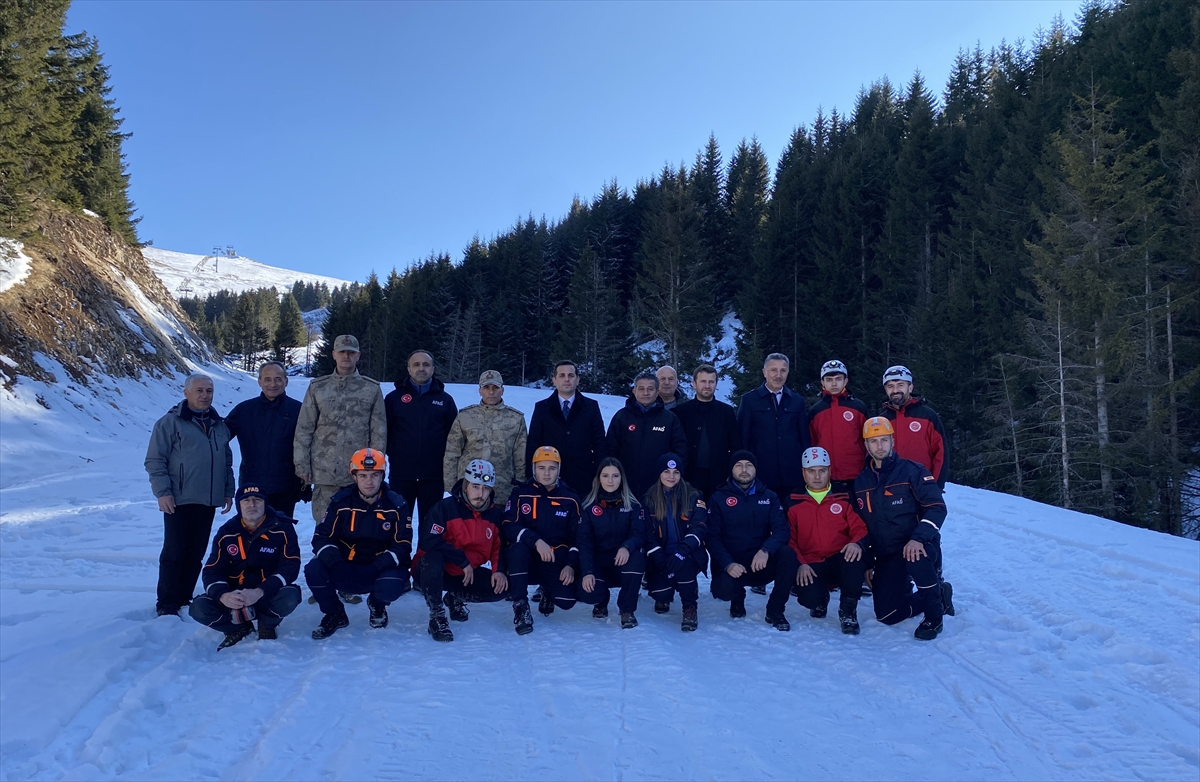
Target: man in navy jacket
265 427
419 416
570 423
903 507
642 431
774 422
748 541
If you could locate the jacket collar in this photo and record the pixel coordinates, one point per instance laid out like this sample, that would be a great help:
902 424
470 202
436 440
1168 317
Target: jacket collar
183 411
915 399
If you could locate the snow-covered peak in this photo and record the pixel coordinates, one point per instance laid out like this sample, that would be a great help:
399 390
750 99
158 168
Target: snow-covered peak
186 274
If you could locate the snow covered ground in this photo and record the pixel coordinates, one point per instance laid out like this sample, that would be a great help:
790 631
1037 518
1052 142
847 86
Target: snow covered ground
231 274
14 263
1075 653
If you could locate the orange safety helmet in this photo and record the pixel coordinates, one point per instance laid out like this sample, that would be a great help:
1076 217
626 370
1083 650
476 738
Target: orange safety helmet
368 459
877 426
547 453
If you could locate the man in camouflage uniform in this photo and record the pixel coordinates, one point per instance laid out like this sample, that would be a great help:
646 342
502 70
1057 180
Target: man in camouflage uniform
341 414
491 431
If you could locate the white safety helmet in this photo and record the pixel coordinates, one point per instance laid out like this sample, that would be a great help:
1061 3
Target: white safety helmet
480 473
815 457
832 367
897 373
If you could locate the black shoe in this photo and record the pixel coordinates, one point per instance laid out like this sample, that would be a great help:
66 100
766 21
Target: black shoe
458 609
848 616
759 590
779 622
737 609
537 595
267 632
546 604
820 612
522 617
947 598
661 608
237 634
690 621
166 610
439 628
350 597
379 617
927 631
600 612
330 624
628 621
312 600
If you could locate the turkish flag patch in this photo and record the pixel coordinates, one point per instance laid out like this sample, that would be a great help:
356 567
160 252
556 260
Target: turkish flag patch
597 510
731 501
232 549
437 529
406 398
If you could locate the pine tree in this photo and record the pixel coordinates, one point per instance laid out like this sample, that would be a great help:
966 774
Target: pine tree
291 332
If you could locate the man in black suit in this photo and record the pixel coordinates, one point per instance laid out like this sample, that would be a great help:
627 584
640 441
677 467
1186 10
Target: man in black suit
572 423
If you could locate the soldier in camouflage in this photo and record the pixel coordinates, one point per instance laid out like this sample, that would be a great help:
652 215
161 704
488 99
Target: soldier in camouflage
341 414
491 431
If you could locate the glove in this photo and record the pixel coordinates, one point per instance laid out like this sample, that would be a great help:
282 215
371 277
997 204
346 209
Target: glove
330 557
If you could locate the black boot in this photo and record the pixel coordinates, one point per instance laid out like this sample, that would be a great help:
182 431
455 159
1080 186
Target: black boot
690 620
661 607
546 603
820 612
947 598
848 615
927 630
522 616
737 606
379 617
330 623
628 621
778 621
439 628
600 611
267 632
758 590
458 609
236 634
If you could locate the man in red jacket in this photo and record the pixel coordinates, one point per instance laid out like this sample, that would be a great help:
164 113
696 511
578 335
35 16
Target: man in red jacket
459 547
920 436
829 538
835 424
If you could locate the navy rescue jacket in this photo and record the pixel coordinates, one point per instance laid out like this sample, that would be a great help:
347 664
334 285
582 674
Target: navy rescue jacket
354 531
417 427
267 558
579 437
776 434
265 429
691 529
741 522
900 502
638 437
608 525
535 513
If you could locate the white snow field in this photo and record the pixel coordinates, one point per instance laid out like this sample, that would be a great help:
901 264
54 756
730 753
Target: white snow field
232 274
1075 653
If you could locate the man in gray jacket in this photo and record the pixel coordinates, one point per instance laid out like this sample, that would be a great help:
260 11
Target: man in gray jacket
190 465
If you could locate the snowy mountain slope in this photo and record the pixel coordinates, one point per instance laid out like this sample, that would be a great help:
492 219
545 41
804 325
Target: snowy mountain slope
233 274
1075 654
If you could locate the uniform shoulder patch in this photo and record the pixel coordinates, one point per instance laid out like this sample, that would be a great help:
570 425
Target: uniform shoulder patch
437 529
929 478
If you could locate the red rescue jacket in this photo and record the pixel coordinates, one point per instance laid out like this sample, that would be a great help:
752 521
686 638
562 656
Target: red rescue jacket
820 531
463 534
835 423
920 436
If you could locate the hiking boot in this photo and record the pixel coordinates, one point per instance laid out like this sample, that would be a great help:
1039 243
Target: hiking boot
522 617
758 590
379 617
820 612
628 621
235 635
600 612
458 608
166 610
546 604
737 608
267 632
690 621
927 631
947 598
312 600
779 622
848 616
330 623
350 597
661 607
439 628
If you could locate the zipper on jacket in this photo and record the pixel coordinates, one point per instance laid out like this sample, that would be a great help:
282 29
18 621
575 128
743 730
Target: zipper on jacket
352 552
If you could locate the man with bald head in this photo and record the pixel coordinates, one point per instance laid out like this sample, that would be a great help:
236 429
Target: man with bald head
419 416
190 465
668 387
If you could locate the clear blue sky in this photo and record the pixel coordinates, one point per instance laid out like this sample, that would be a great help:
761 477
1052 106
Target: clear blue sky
341 138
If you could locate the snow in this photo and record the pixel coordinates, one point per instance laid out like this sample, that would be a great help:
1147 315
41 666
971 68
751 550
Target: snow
14 263
90 213
233 274
1075 653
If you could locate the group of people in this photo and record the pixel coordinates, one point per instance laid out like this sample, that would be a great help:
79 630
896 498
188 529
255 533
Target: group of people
809 501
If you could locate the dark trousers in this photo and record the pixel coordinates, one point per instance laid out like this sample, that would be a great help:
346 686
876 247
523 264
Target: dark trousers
434 580
608 576
185 542
284 502
834 571
892 587
667 574
421 495
524 565
781 568
707 480
381 587
216 615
